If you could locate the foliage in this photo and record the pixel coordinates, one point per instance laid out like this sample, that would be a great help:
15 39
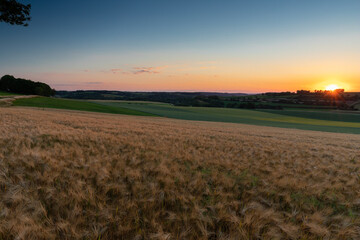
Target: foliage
18 85
276 101
176 98
99 176
14 12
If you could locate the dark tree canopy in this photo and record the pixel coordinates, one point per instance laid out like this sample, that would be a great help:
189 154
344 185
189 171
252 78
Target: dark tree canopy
14 12
9 83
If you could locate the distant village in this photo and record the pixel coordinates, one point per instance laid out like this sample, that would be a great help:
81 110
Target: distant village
337 98
332 92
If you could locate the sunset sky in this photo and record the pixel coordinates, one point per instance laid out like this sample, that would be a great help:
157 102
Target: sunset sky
172 45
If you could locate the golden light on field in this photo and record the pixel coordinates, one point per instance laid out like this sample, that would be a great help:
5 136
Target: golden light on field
195 173
332 87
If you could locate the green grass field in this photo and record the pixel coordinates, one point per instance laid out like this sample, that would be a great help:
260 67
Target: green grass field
4 94
294 106
45 102
319 114
319 121
307 120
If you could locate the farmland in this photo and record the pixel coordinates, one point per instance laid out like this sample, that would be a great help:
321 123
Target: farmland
44 102
319 120
80 175
308 119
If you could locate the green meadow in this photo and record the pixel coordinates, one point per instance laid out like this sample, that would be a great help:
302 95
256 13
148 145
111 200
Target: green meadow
4 94
328 121
320 114
45 102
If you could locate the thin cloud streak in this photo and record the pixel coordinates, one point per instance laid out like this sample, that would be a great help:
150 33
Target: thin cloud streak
136 70
150 70
93 83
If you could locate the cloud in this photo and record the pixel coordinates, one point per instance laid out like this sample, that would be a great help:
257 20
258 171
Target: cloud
63 84
151 70
76 84
115 70
136 70
93 83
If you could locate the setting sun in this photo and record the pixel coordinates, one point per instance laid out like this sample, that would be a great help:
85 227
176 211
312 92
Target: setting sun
332 87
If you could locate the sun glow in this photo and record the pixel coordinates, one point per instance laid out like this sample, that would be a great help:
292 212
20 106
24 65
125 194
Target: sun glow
332 87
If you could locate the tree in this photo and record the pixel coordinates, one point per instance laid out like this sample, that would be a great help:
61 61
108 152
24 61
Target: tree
9 83
14 12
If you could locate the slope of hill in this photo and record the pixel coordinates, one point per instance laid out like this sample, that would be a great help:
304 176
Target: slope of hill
45 102
315 120
320 121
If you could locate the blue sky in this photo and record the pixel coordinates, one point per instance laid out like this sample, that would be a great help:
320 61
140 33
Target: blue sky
289 43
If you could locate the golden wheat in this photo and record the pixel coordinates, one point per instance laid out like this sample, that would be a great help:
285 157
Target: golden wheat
73 175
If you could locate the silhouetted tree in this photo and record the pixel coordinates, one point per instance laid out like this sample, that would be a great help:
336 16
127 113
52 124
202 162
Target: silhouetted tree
14 12
9 83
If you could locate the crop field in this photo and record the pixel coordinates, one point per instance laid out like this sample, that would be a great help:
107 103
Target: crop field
320 115
308 120
318 120
45 102
80 175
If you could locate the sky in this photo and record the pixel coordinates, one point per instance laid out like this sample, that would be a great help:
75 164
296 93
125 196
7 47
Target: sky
200 45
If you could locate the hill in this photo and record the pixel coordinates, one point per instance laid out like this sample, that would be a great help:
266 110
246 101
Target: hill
330 121
45 102
319 120
177 98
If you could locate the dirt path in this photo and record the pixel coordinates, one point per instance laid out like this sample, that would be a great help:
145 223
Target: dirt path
7 100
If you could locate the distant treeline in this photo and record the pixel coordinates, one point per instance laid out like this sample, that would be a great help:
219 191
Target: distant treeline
176 98
9 83
194 99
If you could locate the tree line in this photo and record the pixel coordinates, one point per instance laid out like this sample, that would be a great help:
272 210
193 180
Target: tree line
9 83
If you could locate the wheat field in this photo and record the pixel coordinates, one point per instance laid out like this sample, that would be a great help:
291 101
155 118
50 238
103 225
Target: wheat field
77 175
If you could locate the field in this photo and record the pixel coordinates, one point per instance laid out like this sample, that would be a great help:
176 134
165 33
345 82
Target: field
309 120
333 115
3 94
80 175
45 102
314 119
357 106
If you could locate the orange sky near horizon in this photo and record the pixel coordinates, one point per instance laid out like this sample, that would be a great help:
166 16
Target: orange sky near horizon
196 82
207 76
